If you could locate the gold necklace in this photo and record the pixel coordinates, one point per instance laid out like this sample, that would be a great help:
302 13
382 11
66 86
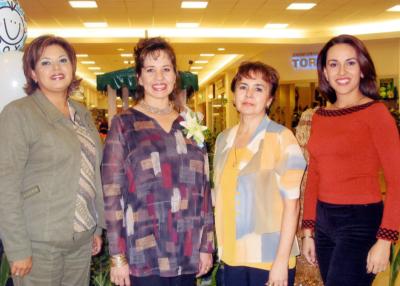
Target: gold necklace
156 110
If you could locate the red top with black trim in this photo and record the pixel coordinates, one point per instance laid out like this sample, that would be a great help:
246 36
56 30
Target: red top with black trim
348 147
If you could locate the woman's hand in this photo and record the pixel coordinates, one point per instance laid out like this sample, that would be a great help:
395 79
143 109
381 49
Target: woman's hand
120 275
96 244
205 263
21 267
378 257
278 276
308 250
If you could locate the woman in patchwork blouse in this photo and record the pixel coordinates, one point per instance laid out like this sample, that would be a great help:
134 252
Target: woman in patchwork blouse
156 183
258 170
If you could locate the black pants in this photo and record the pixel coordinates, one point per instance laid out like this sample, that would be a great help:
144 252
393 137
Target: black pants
182 280
249 276
344 234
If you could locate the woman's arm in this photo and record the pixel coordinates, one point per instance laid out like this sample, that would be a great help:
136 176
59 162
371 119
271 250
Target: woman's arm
279 271
290 167
114 178
14 153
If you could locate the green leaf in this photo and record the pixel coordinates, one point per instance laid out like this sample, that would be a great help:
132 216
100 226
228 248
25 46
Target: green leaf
4 271
395 266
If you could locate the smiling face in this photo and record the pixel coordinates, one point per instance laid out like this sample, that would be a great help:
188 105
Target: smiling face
12 29
158 76
53 71
342 69
252 95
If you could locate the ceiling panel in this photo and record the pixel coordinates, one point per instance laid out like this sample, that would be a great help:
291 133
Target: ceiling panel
254 14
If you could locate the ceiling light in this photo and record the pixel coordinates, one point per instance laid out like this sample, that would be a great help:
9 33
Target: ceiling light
221 49
194 4
196 68
129 62
94 68
395 8
300 6
88 62
369 28
187 25
83 4
194 72
127 55
201 62
207 55
82 55
95 24
276 26
98 73
120 49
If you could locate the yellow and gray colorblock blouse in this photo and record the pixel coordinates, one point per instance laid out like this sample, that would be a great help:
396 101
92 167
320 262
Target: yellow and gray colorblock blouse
271 173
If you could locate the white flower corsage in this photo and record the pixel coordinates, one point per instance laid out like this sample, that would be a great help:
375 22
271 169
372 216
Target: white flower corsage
193 128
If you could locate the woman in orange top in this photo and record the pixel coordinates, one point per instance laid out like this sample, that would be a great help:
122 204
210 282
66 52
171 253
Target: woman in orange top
350 142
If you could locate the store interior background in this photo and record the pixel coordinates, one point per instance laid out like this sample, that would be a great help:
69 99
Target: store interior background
228 32
231 30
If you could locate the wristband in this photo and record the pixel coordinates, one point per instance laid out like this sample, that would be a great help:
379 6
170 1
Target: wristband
307 236
118 260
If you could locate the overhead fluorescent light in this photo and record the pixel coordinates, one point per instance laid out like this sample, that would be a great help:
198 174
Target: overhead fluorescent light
95 24
120 49
369 28
88 62
127 55
194 4
200 62
194 72
187 25
395 8
221 49
82 55
276 26
300 6
98 73
207 55
94 68
196 68
129 62
83 4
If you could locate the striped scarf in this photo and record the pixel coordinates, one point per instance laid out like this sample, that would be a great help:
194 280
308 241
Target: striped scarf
85 212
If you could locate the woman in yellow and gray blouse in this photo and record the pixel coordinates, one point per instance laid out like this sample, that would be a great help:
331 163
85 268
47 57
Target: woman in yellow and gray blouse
258 168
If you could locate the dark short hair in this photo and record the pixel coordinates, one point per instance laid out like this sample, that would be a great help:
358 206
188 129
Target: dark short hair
367 86
248 69
33 53
152 46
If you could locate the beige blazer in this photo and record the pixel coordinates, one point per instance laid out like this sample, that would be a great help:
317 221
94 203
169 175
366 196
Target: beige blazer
39 173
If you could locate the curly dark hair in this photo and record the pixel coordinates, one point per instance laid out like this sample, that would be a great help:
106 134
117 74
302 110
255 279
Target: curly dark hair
152 46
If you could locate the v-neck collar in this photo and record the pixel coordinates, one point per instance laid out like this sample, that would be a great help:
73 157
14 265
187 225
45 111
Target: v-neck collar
175 124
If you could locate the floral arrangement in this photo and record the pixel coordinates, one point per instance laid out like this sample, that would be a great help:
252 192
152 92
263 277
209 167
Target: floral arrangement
193 127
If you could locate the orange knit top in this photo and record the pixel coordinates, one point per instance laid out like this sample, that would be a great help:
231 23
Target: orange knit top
348 148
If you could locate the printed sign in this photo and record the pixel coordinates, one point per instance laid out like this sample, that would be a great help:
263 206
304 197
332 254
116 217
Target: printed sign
305 61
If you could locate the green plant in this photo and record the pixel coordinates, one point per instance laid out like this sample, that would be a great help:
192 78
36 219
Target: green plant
394 266
100 267
4 271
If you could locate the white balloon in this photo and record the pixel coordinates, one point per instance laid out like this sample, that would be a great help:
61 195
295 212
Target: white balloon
12 79
12 26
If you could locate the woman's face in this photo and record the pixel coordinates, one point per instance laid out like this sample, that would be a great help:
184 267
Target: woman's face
342 69
252 95
53 70
158 75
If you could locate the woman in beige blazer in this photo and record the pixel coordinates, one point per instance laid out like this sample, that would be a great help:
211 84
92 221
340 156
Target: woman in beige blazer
51 206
